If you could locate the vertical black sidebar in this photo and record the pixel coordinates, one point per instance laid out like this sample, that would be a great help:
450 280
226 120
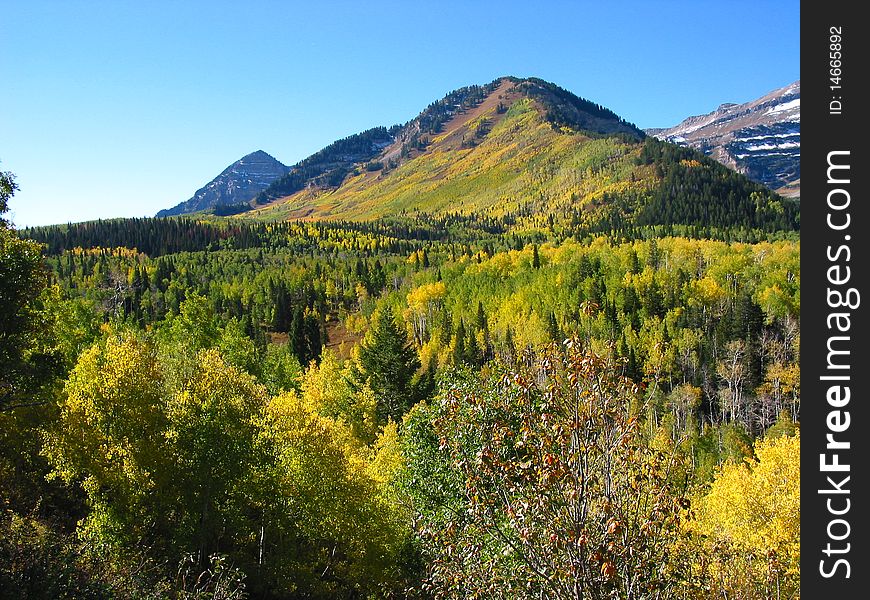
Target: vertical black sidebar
835 265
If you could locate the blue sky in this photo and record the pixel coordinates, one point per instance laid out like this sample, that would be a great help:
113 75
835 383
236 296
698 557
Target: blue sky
115 109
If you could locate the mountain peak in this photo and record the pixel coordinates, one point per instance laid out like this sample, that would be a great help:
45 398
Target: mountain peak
239 183
565 109
258 155
516 147
559 106
458 121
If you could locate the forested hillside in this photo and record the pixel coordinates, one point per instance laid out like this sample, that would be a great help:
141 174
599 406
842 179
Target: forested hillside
561 363
530 152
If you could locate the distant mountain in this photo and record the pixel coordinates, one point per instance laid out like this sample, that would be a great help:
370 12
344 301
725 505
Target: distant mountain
441 160
513 152
380 149
760 139
238 184
522 152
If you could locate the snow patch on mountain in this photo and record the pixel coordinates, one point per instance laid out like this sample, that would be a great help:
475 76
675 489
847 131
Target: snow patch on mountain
760 139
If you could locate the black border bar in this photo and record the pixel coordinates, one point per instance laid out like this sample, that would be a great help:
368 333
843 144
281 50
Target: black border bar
835 265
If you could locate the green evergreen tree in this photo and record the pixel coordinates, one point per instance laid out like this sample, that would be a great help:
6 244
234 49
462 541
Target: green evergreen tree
389 364
553 328
459 351
481 317
283 311
297 336
313 337
473 353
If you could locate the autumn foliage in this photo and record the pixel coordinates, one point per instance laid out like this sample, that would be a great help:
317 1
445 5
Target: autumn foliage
555 494
525 403
746 533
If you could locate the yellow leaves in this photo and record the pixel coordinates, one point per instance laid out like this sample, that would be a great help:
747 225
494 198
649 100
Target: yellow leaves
327 474
217 389
194 452
324 386
690 163
435 352
106 431
356 323
124 427
361 292
707 292
776 301
420 298
304 435
756 505
289 417
503 264
119 251
388 459
747 527
116 376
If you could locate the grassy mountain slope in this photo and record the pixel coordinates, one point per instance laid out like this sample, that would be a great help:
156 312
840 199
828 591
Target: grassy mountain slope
521 161
528 149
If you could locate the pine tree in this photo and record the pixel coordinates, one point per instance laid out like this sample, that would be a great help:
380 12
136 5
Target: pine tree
297 336
313 337
553 328
459 351
481 317
282 312
388 363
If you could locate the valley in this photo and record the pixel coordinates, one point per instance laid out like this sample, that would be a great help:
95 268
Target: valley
515 347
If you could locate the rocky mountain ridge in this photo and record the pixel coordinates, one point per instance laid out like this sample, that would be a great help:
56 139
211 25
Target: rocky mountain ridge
238 184
760 139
